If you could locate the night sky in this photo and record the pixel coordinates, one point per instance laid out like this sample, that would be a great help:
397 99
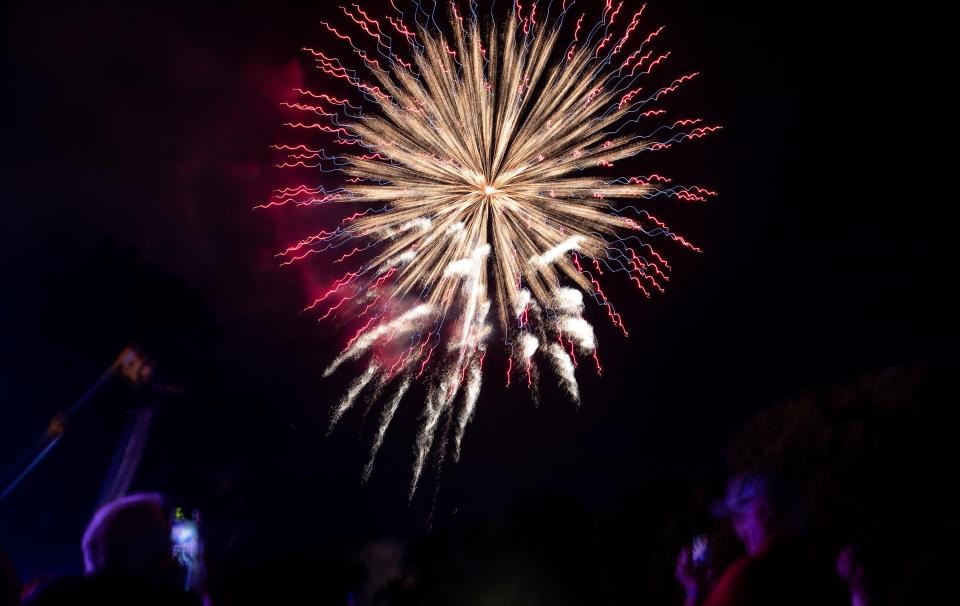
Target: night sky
136 144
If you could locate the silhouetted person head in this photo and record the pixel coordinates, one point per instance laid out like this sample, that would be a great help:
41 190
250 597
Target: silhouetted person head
129 536
760 507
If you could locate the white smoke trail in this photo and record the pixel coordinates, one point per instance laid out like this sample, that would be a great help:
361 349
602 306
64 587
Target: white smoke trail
435 404
581 331
548 257
523 299
529 345
564 369
352 392
469 404
385 419
421 223
569 301
400 259
468 266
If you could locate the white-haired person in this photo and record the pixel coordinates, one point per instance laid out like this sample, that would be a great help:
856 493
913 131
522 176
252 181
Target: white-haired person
127 559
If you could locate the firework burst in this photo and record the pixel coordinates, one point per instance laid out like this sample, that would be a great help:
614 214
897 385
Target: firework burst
479 170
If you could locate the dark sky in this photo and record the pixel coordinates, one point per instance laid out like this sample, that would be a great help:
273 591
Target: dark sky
136 143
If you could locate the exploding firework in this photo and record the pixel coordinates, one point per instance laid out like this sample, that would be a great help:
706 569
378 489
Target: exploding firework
479 156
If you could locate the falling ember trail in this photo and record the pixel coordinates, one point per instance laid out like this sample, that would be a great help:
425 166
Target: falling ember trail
480 159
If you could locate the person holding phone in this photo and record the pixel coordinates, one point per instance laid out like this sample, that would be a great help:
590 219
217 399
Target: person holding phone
127 559
777 568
